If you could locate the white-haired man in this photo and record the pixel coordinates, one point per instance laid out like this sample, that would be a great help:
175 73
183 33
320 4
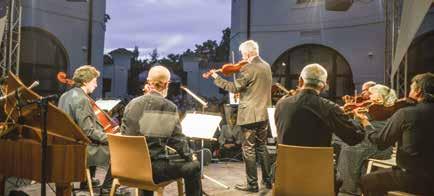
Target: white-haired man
306 119
156 117
253 83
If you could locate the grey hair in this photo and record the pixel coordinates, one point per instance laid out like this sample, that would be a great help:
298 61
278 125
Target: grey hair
387 94
314 75
369 84
249 46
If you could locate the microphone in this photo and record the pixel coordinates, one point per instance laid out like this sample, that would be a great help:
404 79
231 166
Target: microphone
33 85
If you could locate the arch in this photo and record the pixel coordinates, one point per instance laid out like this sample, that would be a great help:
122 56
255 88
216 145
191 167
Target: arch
42 57
286 69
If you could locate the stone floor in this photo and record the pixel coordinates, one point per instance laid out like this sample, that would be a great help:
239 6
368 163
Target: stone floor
229 173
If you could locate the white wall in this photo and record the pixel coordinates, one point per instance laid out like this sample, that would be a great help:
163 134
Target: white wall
283 24
195 82
119 75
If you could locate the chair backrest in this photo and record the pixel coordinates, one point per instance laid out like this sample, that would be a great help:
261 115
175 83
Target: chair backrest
130 160
304 171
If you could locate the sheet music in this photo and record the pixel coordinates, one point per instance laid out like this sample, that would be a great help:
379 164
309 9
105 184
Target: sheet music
270 112
107 105
200 126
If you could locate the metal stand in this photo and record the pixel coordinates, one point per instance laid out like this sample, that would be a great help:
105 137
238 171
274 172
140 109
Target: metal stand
201 169
43 108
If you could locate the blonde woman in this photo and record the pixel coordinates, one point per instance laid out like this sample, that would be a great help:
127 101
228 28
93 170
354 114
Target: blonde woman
352 158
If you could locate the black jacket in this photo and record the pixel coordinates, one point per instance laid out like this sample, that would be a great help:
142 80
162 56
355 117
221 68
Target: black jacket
413 129
306 119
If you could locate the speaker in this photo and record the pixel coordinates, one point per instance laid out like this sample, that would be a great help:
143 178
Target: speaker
338 5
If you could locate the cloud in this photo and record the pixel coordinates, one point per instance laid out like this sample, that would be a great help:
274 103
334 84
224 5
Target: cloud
171 26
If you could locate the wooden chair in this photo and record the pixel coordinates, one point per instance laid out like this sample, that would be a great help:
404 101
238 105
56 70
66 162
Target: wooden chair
398 193
131 165
304 171
382 163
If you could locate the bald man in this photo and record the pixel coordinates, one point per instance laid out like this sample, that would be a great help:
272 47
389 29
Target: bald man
156 118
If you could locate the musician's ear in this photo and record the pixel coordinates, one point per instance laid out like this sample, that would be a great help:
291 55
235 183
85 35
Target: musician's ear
166 85
300 82
418 92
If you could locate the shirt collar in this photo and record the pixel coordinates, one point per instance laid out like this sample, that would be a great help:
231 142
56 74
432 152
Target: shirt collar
308 91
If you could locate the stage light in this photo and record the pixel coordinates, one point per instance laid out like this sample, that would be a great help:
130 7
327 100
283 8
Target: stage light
338 5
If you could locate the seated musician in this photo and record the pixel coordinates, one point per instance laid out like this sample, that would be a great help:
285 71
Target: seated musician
75 103
156 117
352 158
230 139
306 119
365 94
412 128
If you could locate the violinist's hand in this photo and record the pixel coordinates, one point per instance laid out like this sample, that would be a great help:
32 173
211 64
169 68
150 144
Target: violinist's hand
193 157
214 73
361 116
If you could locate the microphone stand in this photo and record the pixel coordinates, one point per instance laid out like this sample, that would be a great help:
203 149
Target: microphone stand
43 109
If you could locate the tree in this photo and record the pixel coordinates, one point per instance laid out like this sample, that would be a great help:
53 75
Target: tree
222 52
207 50
153 56
172 61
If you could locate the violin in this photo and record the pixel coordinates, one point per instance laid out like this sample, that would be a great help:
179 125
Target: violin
108 124
377 110
227 69
291 92
348 99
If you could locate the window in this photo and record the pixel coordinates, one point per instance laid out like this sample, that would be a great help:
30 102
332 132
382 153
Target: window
106 86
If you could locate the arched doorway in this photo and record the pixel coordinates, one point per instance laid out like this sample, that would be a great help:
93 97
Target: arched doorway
286 69
42 57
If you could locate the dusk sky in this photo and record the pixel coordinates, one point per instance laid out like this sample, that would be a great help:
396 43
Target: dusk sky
171 26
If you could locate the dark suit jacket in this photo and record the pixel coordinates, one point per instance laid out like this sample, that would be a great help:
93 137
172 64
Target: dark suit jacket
254 85
413 129
306 119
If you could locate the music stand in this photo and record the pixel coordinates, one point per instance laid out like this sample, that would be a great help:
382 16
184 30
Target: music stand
202 126
270 112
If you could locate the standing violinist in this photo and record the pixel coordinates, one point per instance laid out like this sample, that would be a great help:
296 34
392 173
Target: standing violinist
253 83
412 128
75 102
352 158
